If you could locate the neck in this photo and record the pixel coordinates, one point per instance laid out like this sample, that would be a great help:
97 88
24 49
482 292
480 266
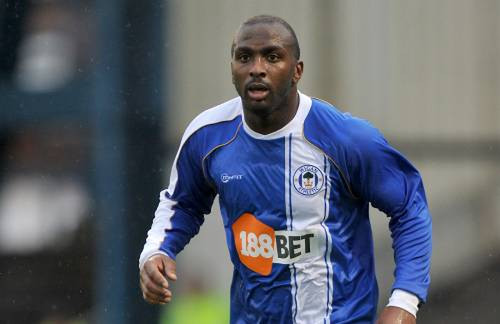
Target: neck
278 117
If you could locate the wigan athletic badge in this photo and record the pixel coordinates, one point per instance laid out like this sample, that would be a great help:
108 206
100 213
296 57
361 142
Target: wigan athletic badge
308 180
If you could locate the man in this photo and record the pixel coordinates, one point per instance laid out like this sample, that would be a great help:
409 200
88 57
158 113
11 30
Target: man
294 178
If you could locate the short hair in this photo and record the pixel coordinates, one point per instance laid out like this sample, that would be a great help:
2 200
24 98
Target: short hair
268 19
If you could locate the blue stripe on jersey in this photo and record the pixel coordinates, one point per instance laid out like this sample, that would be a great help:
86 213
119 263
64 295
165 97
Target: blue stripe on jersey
258 162
290 178
327 241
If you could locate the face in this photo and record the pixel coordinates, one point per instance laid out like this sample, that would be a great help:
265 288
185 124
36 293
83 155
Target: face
264 67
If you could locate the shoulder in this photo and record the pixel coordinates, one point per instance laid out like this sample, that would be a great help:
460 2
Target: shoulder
225 112
213 126
334 130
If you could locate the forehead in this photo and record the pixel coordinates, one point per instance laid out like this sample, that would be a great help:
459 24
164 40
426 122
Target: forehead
263 34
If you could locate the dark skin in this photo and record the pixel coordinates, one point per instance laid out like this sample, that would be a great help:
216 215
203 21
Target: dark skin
396 315
154 279
265 74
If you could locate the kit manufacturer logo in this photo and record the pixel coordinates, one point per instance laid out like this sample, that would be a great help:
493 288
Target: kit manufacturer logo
225 178
308 180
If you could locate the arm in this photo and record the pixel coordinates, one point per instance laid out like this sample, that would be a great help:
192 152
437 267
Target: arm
393 315
178 218
382 176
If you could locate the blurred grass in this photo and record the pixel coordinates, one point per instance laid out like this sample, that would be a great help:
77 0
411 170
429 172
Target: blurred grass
198 308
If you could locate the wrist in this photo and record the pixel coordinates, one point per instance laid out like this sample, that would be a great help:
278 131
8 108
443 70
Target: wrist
404 300
149 256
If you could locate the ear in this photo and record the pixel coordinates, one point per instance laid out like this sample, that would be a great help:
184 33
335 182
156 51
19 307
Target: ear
297 74
232 73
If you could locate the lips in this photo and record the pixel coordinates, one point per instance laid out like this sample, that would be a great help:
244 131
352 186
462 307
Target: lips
257 90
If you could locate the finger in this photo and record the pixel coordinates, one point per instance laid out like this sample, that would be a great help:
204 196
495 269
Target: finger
153 273
148 285
153 302
155 299
145 277
170 270
149 299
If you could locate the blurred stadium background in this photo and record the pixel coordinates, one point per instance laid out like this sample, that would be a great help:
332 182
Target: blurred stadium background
94 96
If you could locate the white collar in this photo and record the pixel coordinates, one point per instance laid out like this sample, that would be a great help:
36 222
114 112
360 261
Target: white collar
295 124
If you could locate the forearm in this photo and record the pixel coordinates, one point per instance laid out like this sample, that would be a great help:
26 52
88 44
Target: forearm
171 230
412 244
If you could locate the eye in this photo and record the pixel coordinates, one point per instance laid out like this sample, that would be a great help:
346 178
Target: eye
243 57
273 57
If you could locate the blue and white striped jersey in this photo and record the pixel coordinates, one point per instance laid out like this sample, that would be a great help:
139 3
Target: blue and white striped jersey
294 205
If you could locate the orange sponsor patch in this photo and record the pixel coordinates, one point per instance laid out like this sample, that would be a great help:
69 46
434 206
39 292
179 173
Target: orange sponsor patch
254 242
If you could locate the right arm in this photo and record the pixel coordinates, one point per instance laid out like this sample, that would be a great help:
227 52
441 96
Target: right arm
178 218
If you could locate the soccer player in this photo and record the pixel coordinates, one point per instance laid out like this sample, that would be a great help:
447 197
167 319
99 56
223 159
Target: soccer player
294 177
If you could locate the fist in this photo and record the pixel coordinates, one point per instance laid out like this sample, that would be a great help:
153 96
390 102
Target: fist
155 275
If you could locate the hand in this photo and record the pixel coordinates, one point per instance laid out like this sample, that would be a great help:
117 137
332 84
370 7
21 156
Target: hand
154 275
396 315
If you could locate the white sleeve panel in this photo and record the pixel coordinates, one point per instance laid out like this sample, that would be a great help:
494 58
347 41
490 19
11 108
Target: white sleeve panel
156 234
223 112
162 220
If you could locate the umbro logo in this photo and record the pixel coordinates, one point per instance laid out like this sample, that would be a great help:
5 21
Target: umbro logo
225 178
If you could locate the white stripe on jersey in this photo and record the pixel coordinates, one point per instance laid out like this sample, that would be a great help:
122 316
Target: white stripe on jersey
156 235
288 188
311 277
329 244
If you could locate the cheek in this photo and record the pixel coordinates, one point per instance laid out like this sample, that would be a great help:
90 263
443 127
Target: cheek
285 73
285 78
236 78
238 82
236 74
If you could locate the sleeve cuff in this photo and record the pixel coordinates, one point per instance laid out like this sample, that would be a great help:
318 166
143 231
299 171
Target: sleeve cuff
149 255
405 300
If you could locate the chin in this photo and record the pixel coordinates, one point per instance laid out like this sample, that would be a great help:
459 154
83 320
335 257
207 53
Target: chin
259 107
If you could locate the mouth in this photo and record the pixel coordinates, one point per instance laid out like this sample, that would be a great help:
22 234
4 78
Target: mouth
257 91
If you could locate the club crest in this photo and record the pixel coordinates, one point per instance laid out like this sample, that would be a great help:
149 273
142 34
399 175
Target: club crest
308 180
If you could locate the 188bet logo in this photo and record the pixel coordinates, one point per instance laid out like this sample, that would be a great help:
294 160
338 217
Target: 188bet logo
258 245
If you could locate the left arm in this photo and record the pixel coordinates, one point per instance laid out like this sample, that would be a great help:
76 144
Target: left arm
392 315
382 176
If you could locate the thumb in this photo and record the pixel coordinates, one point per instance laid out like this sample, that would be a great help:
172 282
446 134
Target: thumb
169 266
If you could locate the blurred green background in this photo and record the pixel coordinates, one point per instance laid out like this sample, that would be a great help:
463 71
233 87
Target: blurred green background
95 95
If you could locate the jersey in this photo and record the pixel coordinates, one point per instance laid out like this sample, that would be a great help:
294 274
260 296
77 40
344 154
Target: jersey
294 205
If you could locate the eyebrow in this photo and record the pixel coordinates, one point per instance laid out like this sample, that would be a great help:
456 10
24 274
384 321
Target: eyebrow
266 49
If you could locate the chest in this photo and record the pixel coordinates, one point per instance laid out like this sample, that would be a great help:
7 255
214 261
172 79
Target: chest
276 180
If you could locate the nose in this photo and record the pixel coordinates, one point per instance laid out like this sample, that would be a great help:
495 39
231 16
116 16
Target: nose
258 69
